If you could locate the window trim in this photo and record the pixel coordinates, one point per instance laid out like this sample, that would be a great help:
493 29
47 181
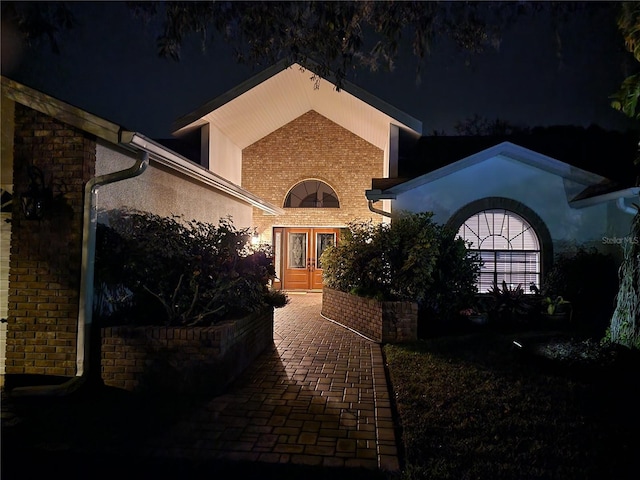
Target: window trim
320 182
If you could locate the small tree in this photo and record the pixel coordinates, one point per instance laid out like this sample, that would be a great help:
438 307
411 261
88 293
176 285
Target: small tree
625 323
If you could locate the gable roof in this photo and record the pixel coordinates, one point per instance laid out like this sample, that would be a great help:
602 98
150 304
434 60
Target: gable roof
118 135
510 151
598 188
281 93
607 153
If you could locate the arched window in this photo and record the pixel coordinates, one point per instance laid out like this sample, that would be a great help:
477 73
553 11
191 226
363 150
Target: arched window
508 246
312 194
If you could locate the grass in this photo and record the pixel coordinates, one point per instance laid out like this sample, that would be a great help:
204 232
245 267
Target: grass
479 406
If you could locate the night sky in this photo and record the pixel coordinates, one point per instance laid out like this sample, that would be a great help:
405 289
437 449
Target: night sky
108 66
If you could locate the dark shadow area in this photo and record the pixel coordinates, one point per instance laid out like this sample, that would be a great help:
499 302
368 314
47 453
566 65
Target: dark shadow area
517 405
105 432
24 464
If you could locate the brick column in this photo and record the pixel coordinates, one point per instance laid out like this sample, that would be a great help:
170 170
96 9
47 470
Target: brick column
46 254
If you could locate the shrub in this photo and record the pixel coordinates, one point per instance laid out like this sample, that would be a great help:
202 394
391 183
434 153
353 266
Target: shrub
163 270
589 280
387 262
355 265
410 259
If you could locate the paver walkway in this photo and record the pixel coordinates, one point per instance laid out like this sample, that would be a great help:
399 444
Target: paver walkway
319 398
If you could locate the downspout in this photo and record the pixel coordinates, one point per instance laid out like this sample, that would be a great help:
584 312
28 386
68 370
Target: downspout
630 209
85 312
377 210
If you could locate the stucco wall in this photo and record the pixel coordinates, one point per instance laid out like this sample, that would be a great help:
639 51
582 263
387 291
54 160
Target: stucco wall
164 192
312 147
225 158
540 190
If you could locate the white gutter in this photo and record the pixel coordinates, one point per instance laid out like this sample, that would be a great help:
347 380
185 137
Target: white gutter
85 313
618 196
180 164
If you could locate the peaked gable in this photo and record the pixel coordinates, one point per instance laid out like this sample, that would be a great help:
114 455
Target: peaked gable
506 150
282 93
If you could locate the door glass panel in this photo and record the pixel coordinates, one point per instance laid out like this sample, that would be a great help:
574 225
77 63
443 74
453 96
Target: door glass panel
323 240
278 253
297 250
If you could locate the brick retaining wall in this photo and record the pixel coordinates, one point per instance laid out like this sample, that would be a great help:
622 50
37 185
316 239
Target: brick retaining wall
384 322
183 359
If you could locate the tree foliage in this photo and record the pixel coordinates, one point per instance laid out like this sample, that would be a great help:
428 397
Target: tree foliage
338 37
626 98
625 323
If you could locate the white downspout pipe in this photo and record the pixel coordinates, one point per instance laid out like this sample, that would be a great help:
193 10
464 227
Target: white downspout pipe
85 313
630 209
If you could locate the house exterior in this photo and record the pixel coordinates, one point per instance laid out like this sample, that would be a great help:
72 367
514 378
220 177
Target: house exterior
302 145
285 153
79 165
518 207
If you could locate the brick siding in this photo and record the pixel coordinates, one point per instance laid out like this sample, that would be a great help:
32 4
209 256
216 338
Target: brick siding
311 147
46 255
383 322
183 359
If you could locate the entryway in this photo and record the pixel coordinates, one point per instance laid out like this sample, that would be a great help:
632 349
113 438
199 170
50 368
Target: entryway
297 255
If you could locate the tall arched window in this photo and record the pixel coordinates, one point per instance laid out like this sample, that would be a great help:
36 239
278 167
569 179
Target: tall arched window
312 194
508 246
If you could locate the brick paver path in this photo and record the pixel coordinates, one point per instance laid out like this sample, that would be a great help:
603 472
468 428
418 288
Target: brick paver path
319 398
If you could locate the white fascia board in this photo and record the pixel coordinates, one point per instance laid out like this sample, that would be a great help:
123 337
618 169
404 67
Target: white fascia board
169 158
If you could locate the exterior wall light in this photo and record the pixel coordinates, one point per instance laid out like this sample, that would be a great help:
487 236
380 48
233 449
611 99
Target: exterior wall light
37 199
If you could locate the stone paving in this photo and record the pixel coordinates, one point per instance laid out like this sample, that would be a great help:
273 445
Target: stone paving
320 397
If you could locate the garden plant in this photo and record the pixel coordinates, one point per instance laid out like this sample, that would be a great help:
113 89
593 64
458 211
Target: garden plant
413 259
167 271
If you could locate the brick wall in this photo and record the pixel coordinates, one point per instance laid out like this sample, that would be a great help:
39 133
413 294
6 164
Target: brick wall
384 322
44 280
183 359
311 147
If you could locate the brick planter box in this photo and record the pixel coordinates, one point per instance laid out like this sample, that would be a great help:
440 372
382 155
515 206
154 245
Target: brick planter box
183 359
383 322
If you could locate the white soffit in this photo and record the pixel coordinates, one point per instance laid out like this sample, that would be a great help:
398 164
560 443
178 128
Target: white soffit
283 97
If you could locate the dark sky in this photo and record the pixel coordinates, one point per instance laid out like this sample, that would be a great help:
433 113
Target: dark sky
109 67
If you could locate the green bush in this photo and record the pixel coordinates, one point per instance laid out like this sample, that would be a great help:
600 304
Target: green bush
589 280
412 258
163 270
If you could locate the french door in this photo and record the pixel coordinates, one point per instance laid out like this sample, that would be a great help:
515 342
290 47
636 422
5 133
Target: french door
302 267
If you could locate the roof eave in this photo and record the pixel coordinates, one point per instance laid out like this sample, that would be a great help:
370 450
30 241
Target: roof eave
178 163
630 192
60 110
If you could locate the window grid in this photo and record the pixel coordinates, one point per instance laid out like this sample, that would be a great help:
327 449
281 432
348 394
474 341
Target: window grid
508 246
311 194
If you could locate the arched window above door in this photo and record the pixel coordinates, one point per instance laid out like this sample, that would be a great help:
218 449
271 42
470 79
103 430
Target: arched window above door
312 194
